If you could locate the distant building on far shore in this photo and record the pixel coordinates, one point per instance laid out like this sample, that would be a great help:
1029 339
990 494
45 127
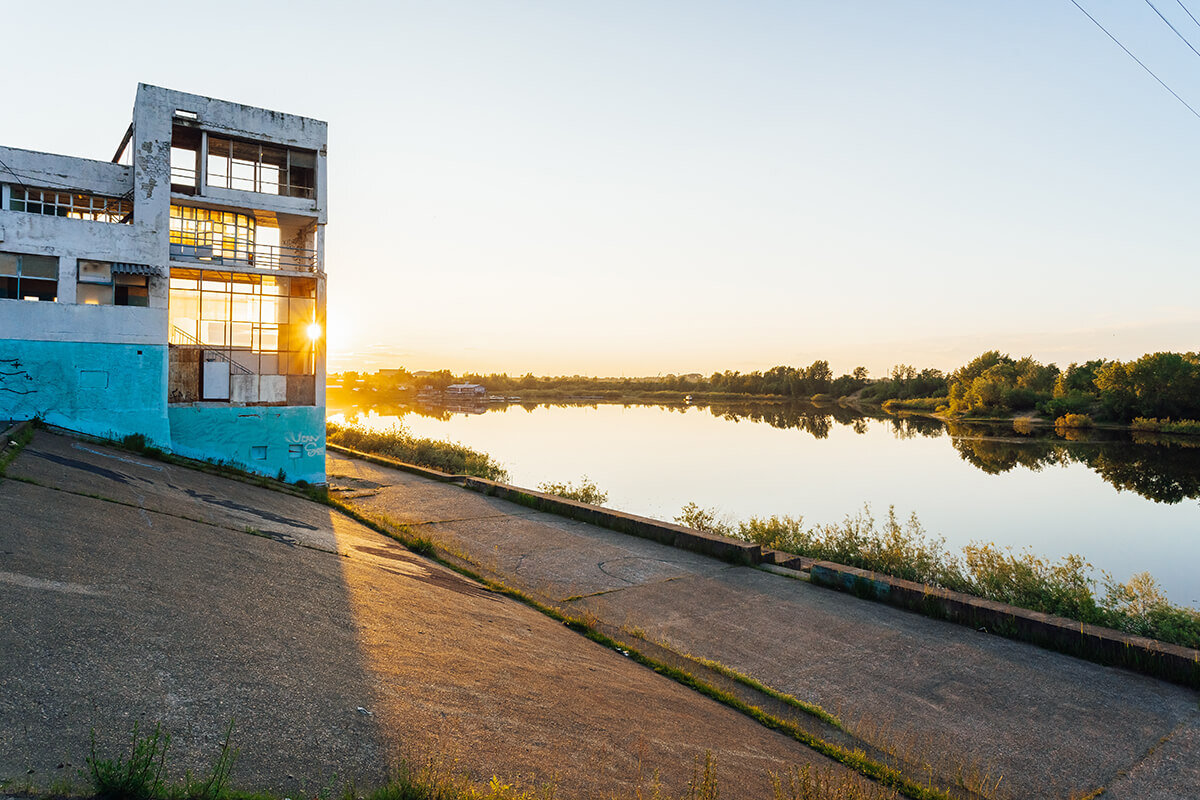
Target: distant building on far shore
466 390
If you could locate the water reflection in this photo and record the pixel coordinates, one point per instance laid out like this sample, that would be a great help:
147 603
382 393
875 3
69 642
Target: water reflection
1165 469
1161 468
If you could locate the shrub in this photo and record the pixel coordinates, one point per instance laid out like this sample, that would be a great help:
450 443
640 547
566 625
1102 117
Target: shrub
1075 403
1073 421
1139 607
585 492
903 550
704 519
399 444
915 404
1188 426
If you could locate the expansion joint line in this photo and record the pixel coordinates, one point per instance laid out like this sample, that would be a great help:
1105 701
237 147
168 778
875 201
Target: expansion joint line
573 598
1120 774
458 519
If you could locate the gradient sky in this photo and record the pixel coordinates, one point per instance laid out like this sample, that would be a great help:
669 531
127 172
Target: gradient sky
649 187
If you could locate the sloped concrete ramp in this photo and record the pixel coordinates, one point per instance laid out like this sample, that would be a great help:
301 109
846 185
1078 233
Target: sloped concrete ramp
137 591
971 705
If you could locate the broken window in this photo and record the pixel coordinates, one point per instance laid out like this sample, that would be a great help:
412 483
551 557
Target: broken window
101 285
185 159
71 205
265 168
25 277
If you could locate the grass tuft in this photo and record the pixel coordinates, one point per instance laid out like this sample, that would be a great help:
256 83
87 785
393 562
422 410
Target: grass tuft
138 777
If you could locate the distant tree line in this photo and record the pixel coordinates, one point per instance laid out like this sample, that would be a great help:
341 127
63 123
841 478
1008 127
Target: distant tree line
781 381
1155 386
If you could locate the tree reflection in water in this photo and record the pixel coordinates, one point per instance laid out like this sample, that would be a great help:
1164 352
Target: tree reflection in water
1165 469
1162 468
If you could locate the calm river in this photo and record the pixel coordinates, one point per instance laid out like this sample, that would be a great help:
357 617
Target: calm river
1125 506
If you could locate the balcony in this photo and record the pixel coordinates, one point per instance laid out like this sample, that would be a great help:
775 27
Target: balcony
262 256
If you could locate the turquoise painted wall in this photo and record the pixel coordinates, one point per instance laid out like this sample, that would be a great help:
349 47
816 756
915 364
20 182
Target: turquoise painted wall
108 390
265 440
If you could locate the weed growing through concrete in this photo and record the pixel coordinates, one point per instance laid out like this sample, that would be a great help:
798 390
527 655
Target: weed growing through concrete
141 775
806 783
216 784
11 449
138 777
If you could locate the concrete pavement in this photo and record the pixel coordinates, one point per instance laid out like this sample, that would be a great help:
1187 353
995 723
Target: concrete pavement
970 705
133 590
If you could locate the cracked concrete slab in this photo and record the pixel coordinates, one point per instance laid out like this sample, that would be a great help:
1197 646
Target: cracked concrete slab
1049 725
332 664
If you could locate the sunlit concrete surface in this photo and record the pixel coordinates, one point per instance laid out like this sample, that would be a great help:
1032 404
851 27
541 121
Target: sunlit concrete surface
137 591
1044 724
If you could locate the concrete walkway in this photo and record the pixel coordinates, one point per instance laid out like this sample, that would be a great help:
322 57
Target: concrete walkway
971 706
137 591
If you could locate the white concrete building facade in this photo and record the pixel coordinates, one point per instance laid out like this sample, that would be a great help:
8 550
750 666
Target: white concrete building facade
178 291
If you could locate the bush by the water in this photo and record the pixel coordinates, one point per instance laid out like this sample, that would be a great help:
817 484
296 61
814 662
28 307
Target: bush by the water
1074 421
586 492
903 549
1153 424
398 443
916 404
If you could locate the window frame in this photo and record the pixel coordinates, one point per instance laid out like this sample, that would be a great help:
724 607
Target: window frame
20 277
71 205
225 156
117 284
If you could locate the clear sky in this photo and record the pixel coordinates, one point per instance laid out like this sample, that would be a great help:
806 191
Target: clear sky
650 187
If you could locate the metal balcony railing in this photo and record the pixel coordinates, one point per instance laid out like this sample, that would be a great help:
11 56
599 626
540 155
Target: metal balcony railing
263 256
183 176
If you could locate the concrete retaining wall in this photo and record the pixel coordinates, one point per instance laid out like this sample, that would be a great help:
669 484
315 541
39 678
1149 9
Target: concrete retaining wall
1106 646
733 550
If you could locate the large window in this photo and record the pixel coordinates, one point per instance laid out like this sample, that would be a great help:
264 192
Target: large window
24 277
237 338
102 285
202 234
265 317
256 167
73 206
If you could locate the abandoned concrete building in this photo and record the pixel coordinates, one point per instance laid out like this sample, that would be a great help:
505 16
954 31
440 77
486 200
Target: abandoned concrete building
177 291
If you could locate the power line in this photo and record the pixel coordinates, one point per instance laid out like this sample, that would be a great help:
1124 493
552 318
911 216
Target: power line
1135 58
1185 8
15 175
1182 38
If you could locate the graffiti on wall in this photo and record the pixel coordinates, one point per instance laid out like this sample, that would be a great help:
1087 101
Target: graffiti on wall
311 443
